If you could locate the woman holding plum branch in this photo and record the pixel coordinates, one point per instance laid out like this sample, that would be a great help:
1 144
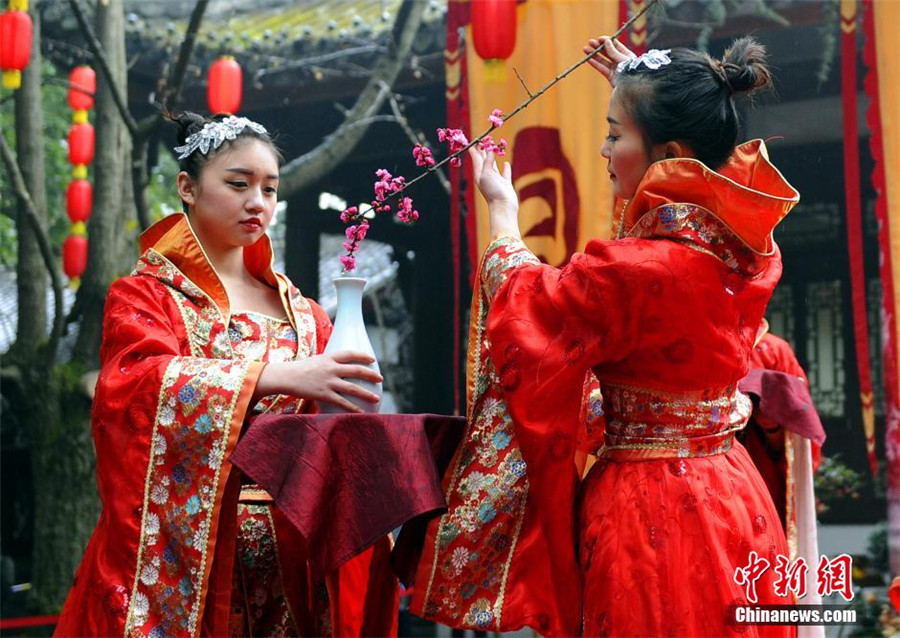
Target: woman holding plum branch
673 527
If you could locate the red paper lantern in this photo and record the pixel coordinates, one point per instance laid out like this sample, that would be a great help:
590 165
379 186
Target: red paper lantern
225 86
74 257
79 200
15 46
81 143
82 77
494 28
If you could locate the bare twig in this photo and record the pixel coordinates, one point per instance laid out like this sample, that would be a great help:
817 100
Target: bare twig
174 81
513 113
524 86
43 241
100 57
416 137
311 166
170 89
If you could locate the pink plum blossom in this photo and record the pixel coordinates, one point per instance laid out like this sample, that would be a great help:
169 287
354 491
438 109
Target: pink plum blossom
423 156
348 262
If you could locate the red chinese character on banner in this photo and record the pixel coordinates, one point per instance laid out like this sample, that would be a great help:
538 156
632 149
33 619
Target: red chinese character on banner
791 576
747 576
834 576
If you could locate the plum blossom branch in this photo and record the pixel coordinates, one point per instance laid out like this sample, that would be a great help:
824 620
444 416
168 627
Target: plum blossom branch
457 152
389 187
522 82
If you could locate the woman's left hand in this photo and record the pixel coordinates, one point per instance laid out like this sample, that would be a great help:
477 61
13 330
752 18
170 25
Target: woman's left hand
611 53
498 191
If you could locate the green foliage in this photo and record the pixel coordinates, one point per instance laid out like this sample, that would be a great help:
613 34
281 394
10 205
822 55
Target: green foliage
161 193
877 549
835 481
57 119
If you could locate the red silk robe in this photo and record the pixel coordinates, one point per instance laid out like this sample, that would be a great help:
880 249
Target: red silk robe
665 318
174 389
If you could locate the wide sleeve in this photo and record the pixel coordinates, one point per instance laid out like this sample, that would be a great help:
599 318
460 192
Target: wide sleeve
166 417
581 315
504 556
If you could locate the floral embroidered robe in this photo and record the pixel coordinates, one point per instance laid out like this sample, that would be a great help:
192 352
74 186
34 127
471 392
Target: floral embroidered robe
665 318
174 389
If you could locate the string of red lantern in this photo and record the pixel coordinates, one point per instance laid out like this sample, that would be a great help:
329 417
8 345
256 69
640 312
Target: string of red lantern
225 86
15 42
80 194
494 35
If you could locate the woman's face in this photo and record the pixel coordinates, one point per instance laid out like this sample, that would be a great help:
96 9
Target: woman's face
625 150
232 202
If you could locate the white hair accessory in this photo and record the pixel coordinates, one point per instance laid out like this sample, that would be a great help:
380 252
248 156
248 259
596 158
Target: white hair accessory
652 59
214 133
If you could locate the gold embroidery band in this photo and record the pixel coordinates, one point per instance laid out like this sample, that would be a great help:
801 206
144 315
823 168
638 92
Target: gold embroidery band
638 449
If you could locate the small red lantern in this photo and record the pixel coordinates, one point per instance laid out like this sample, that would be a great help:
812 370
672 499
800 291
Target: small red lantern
494 28
82 86
225 86
74 257
15 46
79 200
81 143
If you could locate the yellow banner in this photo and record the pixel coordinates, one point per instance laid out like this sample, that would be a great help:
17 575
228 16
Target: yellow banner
887 21
554 145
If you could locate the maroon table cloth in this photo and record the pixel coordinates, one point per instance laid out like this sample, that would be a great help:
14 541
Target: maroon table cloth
346 480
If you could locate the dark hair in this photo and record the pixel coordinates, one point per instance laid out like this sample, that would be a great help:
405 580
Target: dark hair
692 99
189 123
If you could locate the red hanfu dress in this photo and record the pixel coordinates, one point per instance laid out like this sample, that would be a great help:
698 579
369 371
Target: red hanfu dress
184 546
665 318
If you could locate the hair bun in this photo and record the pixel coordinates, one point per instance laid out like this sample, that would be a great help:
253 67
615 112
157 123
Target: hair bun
188 123
743 67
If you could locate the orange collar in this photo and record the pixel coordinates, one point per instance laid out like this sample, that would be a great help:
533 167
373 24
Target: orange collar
748 193
175 240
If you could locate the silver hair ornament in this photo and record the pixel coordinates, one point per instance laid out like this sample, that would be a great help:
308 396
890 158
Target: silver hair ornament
652 59
214 133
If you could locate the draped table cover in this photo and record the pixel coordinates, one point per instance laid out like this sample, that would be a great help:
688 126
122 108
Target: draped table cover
346 480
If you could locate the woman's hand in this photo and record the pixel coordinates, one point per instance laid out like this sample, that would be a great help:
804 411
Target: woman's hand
498 191
322 377
608 58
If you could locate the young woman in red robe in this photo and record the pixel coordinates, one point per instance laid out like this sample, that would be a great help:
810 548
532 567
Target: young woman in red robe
201 335
672 527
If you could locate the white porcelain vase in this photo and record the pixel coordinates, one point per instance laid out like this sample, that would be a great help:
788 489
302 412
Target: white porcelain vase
350 334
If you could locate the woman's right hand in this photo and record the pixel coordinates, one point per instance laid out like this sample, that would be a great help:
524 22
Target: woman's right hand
608 58
322 377
497 189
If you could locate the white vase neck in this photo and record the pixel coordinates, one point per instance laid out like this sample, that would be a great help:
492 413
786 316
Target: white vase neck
349 298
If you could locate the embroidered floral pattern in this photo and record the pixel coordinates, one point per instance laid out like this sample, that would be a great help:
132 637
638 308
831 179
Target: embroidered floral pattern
259 605
181 491
191 433
643 423
702 230
486 495
503 255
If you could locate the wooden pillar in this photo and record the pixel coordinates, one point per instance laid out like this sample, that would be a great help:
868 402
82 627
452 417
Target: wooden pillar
302 240
432 279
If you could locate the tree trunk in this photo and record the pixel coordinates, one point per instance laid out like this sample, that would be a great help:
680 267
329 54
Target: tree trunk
31 276
66 504
307 169
65 496
113 198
